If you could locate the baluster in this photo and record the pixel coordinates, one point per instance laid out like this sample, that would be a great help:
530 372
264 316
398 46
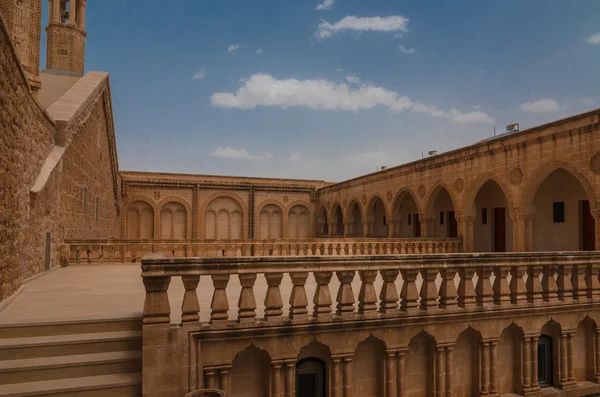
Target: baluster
448 293
429 292
303 250
322 299
409 295
293 250
238 250
409 248
190 308
219 251
402 248
429 247
484 286
592 283
388 249
101 254
247 249
501 288
318 249
273 301
298 300
466 292
395 249
350 249
345 295
247 301
389 294
518 292
123 251
578 282
367 297
89 254
534 285
549 287
219 304
156 303
565 288
111 254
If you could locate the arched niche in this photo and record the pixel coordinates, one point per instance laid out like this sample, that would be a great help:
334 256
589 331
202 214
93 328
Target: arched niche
271 222
139 221
223 219
173 221
299 222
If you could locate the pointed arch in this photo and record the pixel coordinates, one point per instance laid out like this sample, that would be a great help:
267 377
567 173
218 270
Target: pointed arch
420 365
475 187
377 216
251 363
336 220
509 357
441 212
466 363
368 368
355 219
406 210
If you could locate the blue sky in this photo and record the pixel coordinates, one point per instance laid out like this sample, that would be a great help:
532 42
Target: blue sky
288 88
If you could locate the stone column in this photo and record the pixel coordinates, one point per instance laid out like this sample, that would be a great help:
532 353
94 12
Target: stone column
401 373
597 350
73 14
276 387
429 293
247 301
440 369
409 294
273 300
493 360
345 295
592 282
466 292
570 362
81 13
534 363
347 375
563 359
485 368
290 378
367 297
390 373
55 13
224 375
336 376
322 298
298 300
219 304
448 292
211 379
526 366
449 371
534 285
389 293
501 288
468 233
484 292
195 213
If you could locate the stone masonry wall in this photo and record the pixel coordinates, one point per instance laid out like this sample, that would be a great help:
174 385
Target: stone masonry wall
26 138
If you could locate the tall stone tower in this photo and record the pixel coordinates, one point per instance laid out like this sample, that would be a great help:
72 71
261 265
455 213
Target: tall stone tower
23 20
66 37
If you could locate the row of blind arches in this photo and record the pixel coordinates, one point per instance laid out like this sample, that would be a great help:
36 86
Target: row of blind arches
223 221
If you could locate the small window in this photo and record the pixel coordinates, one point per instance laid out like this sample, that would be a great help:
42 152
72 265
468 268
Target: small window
484 216
84 200
97 208
384 220
558 212
409 220
441 217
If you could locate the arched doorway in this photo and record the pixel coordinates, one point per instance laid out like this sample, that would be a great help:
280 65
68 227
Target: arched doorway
545 367
492 228
406 216
562 220
338 221
440 212
376 215
311 378
355 227
322 225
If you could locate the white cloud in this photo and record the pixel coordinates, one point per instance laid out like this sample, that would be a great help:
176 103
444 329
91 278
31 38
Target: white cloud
543 105
231 153
470 117
265 90
325 5
259 51
233 47
587 101
199 75
395 23
594 38
406 51
454 115
353 79
295 157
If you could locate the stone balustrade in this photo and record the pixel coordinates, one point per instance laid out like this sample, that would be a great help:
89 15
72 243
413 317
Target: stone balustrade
131 251
429 284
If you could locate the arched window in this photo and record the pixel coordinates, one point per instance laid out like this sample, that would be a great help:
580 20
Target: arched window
310 378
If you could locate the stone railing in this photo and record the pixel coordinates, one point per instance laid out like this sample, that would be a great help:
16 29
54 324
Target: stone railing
128 251
431 284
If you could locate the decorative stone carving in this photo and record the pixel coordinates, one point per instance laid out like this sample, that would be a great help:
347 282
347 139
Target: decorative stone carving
595 163
459 185
516 176
389 196
285 199
156 195
364 199
422 191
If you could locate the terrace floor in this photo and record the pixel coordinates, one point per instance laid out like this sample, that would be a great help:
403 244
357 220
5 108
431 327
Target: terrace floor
99 292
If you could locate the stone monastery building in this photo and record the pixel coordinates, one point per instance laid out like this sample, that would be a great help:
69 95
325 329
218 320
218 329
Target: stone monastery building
469 273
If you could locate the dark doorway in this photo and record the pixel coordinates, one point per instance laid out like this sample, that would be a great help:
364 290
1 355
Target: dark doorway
452 225
499 229
545 361
416 225
310 378
588 227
